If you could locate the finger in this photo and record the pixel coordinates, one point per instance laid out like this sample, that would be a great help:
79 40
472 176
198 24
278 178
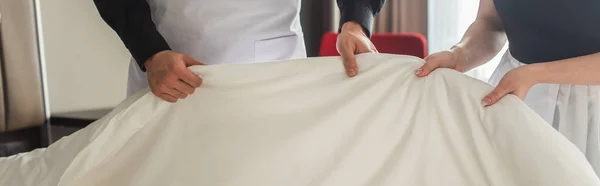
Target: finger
173 92
189 77
190 61
182 86
363 48
168 98
374 49
495 96
427 68
349 61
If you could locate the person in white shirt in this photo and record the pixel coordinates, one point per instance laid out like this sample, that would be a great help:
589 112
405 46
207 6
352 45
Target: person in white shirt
166 36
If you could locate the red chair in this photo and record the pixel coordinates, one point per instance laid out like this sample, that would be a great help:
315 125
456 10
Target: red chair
392 43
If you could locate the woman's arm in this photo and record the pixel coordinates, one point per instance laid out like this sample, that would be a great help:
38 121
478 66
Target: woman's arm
583 70
480 43
483 39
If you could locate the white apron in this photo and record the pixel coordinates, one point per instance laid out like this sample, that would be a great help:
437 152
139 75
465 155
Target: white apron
226 32
574 110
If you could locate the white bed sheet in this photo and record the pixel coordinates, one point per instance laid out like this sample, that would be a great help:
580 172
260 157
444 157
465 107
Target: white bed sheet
303 122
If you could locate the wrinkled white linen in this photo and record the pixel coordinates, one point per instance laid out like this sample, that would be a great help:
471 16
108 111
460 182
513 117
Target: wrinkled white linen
572 110
303 122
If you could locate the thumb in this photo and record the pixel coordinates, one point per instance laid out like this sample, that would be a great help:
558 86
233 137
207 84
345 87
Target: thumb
520 94
426 58
427 68
190 61
349 61
495 95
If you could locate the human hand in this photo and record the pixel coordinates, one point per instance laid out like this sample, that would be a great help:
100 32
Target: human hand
444 59
517 81
168 75
352 40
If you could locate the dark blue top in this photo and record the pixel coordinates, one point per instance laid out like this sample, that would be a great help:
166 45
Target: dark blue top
549 30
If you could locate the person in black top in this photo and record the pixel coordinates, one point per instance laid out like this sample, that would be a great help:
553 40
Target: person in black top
553 62
165 36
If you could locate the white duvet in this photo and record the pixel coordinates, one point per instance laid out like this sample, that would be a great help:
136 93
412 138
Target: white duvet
304 123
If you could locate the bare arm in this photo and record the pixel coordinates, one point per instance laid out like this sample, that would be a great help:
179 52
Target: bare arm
583 70
480 43
483 39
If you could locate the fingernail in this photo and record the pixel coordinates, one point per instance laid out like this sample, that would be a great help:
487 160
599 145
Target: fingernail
418 71
487 101
351 72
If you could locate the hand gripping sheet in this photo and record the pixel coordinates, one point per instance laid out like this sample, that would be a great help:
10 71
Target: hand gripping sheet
304 123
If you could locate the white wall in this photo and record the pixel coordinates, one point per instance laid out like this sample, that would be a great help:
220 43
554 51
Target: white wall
85 61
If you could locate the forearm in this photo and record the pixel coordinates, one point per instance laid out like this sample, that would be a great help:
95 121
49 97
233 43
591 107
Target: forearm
583 70
360 11
480 43
131 20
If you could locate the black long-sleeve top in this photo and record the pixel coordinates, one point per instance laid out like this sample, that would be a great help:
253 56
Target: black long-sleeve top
131 20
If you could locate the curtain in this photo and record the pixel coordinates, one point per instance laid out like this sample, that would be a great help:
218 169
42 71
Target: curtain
408 16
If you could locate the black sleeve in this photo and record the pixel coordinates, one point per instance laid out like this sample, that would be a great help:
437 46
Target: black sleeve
131 20
360 11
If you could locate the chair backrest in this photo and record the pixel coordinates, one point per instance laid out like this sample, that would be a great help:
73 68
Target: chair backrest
393 43
22 101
